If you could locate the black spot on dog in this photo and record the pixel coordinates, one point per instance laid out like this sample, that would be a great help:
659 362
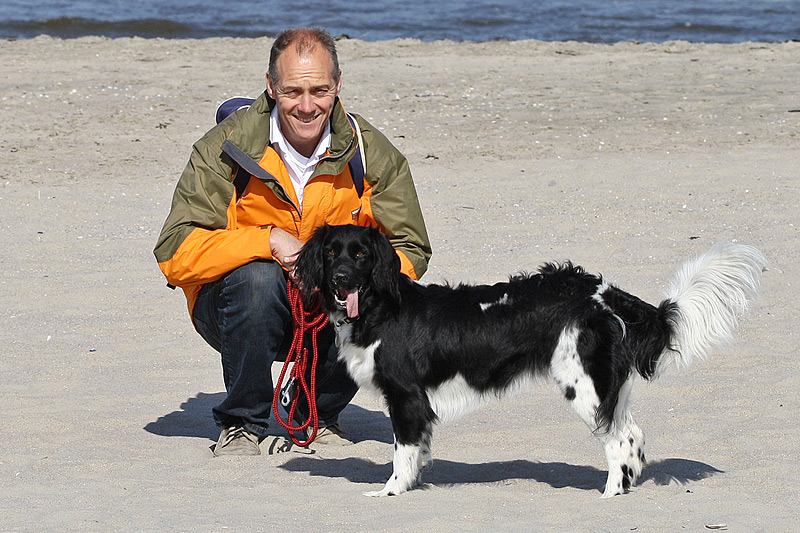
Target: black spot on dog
626 480
569 393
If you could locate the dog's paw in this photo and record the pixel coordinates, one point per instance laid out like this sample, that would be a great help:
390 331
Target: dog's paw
378 493
392 488
617 487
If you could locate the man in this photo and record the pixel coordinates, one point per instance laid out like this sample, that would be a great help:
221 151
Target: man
230 248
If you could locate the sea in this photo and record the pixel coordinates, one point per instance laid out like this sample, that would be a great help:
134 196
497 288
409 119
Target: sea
594 21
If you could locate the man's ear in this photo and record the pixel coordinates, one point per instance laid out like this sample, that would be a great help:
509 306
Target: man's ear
339 85
270 87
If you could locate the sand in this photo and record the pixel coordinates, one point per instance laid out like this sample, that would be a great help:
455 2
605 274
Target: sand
625 158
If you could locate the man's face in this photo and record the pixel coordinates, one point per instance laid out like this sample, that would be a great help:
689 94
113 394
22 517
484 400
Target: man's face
305 92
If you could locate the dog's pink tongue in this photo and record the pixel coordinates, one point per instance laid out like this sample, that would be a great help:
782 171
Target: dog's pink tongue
352 304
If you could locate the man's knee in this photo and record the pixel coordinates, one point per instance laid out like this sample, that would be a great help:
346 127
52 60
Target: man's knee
257 289
258 276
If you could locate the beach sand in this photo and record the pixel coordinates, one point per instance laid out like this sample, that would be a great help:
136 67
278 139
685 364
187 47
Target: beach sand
626 159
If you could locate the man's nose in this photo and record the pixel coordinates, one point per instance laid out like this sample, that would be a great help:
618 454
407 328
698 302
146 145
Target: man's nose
306 104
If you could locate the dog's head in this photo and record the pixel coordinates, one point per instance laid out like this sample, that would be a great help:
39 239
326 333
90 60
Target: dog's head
351 266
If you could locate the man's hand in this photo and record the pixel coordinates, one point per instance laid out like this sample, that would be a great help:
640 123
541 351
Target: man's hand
285 247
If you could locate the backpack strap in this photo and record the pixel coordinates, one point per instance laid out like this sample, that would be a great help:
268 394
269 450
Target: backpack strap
242 177
357 164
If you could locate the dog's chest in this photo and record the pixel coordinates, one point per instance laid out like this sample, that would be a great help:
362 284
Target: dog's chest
360 360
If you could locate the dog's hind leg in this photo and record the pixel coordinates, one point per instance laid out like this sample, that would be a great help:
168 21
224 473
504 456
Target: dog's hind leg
624 446
623 442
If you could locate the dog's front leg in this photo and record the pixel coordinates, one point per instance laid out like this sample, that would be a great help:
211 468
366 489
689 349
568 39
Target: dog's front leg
412 422
408 461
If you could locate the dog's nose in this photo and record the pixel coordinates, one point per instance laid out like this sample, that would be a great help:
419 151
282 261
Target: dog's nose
340 277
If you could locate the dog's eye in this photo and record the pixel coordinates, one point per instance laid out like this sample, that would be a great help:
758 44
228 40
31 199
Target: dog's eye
330 253
360 255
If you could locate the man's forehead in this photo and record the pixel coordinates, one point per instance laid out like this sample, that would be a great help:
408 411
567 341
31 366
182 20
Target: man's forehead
312 61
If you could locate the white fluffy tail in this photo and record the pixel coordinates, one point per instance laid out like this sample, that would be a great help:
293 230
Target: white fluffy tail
711 291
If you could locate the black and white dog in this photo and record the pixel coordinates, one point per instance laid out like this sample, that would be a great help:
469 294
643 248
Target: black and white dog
436 352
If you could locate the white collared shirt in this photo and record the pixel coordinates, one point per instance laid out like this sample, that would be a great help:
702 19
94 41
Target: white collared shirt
300 167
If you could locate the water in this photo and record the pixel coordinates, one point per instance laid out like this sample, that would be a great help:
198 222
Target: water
597 21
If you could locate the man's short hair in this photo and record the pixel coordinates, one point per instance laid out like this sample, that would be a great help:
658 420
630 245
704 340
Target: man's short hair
304 40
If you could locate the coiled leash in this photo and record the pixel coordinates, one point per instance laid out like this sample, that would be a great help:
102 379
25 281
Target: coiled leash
314 320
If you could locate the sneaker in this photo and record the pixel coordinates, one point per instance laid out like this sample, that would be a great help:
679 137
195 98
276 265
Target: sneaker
236 440
277 444
330 436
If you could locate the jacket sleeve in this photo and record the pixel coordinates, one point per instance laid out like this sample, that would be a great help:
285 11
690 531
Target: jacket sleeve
198 242
394 201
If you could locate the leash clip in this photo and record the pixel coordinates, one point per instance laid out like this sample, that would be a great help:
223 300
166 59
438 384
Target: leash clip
287 393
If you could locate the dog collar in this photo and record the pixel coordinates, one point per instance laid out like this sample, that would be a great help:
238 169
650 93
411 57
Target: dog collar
344 321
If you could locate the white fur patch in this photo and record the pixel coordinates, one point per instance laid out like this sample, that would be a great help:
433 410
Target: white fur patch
502 301
567 369
598 297
454 398
360 361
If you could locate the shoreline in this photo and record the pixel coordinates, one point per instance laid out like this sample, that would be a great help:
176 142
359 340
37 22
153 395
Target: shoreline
344 38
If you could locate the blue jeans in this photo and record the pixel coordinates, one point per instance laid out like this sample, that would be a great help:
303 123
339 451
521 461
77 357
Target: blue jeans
245 316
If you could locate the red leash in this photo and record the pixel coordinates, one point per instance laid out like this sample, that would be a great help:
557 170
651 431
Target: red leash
313 320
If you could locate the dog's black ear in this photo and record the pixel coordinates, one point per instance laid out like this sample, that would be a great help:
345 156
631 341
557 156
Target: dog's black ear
310 264
386 272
